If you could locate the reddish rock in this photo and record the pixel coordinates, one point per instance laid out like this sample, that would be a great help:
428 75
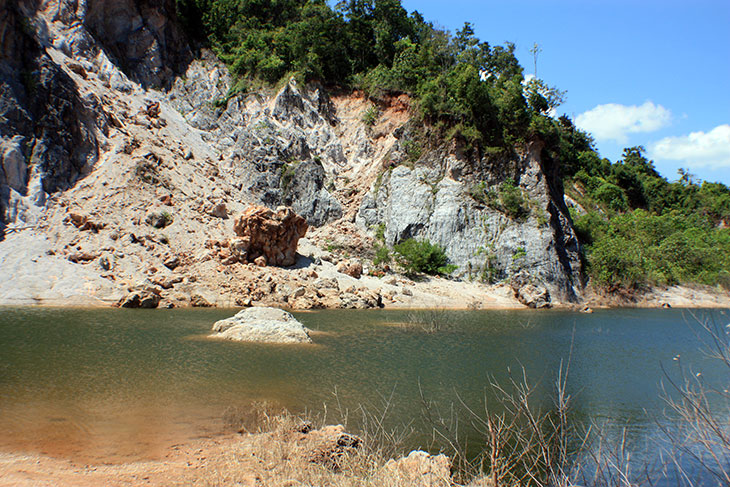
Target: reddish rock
271 234
198 301
83 223
172 262
80 257
141 297
351 268
328 446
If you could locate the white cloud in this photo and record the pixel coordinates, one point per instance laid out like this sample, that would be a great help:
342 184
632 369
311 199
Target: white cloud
698 149
614 122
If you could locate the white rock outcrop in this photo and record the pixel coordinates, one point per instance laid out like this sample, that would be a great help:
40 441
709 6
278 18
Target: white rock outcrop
263 325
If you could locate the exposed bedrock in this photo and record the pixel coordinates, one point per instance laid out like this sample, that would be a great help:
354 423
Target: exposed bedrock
427 202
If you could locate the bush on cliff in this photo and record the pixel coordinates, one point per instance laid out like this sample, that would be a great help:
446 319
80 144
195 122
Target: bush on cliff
421 256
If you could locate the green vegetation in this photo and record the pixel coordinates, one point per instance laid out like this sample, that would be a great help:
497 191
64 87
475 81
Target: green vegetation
512 201
640 228
507 199
670 248
166 218
413 150
370 116
382 255
421 256
463 87
288 170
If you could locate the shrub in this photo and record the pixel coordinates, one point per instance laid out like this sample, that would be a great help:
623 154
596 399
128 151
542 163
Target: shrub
382 255
287 175
370 116
421 256
413 150
512 201
612 196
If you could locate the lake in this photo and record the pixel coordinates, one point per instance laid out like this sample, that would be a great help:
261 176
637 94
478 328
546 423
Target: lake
114 385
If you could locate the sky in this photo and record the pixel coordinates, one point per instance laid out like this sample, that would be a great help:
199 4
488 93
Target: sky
637 72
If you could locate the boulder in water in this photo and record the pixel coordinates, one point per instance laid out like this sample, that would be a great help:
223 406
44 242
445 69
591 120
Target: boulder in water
263 325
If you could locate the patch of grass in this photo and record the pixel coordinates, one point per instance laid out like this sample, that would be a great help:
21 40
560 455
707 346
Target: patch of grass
370 116
380 232
382 255
432 320
520 253
413 149
512 201
288 170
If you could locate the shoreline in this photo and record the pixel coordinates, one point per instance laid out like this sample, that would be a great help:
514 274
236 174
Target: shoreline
449 296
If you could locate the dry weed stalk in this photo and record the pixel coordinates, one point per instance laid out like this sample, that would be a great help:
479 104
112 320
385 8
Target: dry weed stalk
520 444
431 320
700 449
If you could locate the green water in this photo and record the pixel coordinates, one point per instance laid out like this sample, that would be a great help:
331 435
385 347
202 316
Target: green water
114 384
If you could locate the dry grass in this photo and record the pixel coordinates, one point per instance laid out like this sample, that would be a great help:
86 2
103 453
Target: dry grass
281 449
431 320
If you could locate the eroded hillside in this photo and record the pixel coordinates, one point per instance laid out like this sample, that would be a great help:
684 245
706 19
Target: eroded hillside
124 160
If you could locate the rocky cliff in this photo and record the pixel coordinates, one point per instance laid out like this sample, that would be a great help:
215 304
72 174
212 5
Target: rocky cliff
122 157
445 197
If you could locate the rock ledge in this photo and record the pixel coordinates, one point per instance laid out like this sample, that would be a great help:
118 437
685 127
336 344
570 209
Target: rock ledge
263 325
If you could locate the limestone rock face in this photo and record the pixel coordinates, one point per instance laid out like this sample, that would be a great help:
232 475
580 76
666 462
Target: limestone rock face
144 34
270 234
47 131
265 325
51 133
280 151
433 201
305 193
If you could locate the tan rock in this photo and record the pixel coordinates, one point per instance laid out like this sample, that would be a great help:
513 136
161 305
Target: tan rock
198 301
172 262
218 210
350 268
272 234
79 257
141 297
263 325
328 446
419 469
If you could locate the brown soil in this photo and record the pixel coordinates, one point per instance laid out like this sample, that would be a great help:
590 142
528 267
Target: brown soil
288 455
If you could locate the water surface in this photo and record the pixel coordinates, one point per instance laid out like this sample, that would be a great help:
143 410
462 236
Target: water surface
114 385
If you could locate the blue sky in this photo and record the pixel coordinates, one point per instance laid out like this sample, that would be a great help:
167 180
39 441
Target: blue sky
641 72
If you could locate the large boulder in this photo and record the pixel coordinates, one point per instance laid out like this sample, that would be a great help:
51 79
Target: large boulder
141 296
264 325
270 234
529 292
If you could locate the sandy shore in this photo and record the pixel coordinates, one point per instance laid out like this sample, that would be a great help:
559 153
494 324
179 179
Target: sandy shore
286 455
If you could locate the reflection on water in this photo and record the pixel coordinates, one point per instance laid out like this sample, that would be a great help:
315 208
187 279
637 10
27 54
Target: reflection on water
115 385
